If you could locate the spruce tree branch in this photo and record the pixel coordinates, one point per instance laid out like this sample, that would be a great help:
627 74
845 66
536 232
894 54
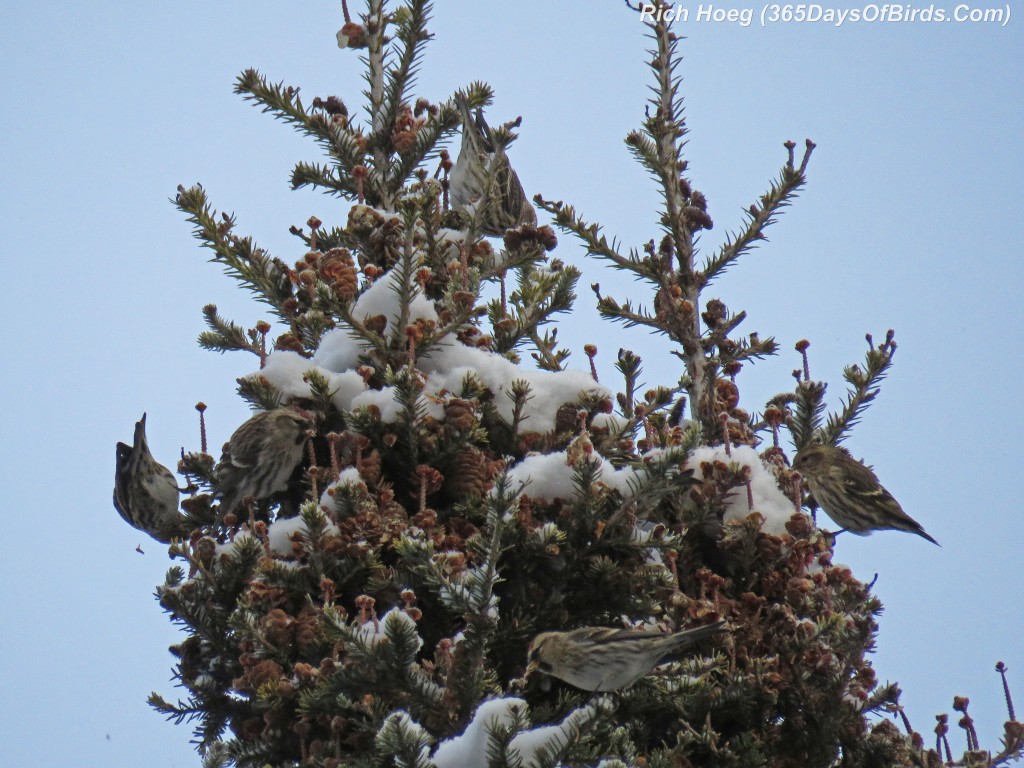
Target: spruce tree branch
348 148
180 712
597 245
625 314
546 350
629 364
572 730
1010 753
336 138
314 322
646 152
779 196
224 335
472 594
525 329
284 102
406 288
459 321
435 129
259 392
565 217
399 79
315 175
666 128
361 331
541 294
755 349
864 388
341 142
408 393
217 755
375 75
499 751
266 277
404 742
328 238
809 406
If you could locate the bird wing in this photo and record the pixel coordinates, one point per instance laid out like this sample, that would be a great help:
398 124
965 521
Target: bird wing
483 130
121 475
600 635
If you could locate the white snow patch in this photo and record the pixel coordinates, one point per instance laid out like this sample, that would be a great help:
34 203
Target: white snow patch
280 532
469 749
371 633
549 476
339 350
384 298
347 477
344 388
384 399
285 370
446 367
448 364
769 501
400 721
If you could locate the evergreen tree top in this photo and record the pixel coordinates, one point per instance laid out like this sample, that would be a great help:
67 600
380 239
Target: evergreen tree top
365 566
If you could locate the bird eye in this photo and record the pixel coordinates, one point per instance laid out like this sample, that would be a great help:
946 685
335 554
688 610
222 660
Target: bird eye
804 460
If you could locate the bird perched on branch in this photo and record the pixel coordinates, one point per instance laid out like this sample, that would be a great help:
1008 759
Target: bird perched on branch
483 167
145 491
850 493
607 659
261 455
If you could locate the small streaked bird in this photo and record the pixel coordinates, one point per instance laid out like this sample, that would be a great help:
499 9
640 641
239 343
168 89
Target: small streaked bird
851 494
607 659
145 491
261 455
508 205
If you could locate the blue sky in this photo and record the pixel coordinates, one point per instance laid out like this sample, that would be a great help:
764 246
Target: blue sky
907 222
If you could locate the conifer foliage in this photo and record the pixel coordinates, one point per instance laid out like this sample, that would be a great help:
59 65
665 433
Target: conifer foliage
459 490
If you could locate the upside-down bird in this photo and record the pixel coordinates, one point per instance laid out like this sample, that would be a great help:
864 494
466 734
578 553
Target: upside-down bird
145 491
482 166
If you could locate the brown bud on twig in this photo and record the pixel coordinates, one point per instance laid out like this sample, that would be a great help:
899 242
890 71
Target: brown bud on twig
201 407
1001 669
801 347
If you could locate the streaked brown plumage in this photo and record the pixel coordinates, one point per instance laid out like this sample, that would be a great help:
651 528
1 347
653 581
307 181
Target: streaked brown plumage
607 659
851 494
145 491
261 455
508 205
